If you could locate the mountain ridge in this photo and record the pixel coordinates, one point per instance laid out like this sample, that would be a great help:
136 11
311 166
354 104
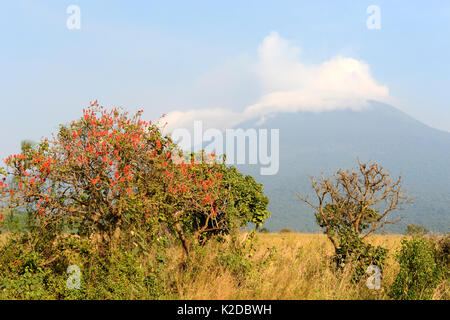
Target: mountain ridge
312 143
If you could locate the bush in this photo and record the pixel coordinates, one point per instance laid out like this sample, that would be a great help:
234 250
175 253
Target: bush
353 204
443 250
420 270
236 256
285 230
359 255
104 194
110 175
412 229
26 274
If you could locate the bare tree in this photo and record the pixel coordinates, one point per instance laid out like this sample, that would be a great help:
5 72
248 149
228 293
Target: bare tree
347 200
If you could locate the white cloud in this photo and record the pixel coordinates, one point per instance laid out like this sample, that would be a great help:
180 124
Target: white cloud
219 118
290 85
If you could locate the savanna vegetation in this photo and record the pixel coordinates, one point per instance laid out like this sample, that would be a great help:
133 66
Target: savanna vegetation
110 208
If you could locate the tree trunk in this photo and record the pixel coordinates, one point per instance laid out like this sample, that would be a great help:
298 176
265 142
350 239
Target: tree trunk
116 237
179 230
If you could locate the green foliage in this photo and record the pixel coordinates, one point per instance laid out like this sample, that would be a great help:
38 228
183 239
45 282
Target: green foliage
412 229
443 251
247 197
338 217
21 273
108 196
353 204
157 280
236 257
420 270
359 255
14 221
243 203
27 274
26 145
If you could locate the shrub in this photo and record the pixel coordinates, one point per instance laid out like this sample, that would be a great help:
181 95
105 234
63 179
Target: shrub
412 229
353 204
285 230
443 250
122 274
110 175
420 271
359 255
104 192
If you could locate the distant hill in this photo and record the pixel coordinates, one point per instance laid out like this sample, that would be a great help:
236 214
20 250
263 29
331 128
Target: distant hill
311 143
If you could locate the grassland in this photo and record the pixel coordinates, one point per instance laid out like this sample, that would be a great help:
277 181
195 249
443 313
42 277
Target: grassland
298 268
290 266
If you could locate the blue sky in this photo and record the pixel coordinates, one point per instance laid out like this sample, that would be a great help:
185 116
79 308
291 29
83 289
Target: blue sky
186 55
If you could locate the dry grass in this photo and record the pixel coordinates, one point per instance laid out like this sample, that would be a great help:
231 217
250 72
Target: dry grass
300 269
288 266
3 238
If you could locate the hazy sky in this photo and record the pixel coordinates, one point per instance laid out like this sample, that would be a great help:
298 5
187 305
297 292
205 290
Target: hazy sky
223 60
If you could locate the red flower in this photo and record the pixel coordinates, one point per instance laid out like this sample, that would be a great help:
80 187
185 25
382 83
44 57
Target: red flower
126 168
96 180
207 199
